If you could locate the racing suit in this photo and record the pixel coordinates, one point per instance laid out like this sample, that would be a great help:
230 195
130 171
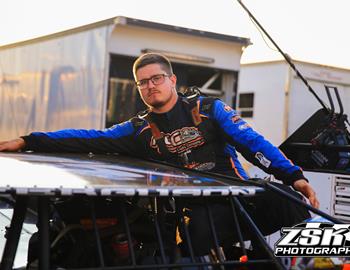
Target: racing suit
207 143
225 133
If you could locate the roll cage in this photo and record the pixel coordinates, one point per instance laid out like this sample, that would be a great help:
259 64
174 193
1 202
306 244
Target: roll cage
92 199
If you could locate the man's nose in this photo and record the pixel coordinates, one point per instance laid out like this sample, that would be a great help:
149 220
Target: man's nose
148 84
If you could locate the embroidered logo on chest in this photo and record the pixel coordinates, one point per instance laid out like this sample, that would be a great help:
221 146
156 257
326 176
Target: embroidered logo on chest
181 140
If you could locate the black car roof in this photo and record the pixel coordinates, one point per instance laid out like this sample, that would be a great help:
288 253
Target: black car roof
106 175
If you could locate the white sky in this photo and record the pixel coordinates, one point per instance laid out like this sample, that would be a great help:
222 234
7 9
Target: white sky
308 30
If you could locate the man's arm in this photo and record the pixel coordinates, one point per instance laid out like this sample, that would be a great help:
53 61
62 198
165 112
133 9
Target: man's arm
117 139
259 151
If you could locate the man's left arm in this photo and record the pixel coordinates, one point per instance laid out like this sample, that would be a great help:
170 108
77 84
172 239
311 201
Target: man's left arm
256 149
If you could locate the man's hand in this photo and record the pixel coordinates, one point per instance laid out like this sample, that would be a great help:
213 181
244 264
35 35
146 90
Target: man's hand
305 188
12 146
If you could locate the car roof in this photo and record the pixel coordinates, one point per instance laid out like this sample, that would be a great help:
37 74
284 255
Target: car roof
107 175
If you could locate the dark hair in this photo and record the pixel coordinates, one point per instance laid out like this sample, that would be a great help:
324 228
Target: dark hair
152 58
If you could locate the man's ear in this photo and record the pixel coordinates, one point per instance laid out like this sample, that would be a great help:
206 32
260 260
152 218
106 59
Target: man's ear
173 79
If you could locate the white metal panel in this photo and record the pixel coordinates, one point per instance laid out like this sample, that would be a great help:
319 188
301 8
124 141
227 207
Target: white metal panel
342 191
53 84
323 184
341 200
268 83
318 72
131 40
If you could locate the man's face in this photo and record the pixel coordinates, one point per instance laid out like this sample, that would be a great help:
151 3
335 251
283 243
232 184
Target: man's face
156 87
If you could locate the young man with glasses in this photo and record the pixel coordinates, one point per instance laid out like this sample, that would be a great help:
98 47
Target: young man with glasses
195 132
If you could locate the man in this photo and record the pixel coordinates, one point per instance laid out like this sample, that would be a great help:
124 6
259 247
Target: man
195 132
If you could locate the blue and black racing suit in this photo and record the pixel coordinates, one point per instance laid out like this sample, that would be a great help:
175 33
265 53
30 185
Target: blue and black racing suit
174 137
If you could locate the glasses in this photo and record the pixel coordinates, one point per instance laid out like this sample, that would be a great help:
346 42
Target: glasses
155 79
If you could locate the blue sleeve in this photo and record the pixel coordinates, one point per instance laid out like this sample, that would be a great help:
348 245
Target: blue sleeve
253 146
115 131
117 139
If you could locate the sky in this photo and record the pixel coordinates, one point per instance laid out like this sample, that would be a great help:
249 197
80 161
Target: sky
309 30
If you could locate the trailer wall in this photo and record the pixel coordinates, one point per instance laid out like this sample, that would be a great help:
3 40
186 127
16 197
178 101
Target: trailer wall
53 84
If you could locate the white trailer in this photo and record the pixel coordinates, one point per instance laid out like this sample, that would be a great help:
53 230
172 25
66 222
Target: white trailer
82 78
276 102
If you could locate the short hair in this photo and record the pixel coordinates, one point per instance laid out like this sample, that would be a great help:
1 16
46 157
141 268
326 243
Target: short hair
152 58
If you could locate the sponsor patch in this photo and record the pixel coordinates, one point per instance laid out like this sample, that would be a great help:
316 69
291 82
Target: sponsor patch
262 159
181 140
243 126
227 108
235 119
